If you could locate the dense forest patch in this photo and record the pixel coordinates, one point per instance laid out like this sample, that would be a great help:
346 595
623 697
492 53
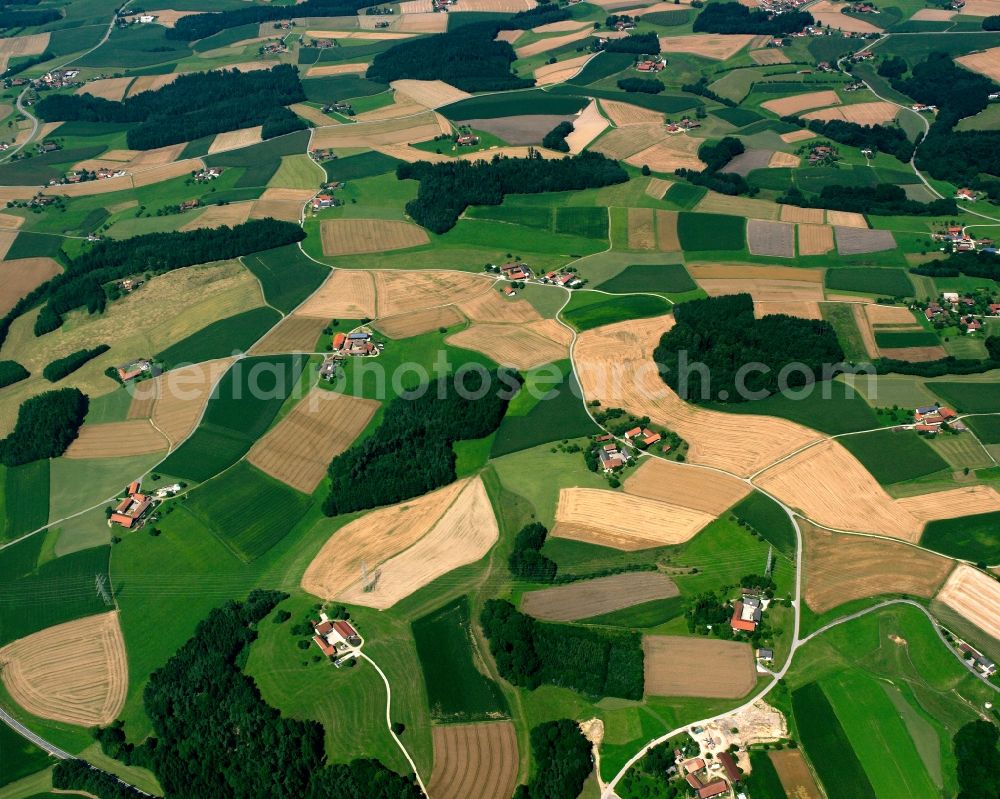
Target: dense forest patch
59 368
46 425
737 18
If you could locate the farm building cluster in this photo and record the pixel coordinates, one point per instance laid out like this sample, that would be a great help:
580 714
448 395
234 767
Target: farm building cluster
358 344
748 611
207 174
651 65
337 639
609 455
141 367
707 780
977 660
966 311
83 175
955 239
932 419
685 124
131 510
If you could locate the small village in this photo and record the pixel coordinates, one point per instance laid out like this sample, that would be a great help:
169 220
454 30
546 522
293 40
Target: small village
956 239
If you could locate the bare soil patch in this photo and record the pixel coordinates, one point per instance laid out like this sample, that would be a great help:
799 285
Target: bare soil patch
339 69
681 666
776 239
353 236
622 521
802 309
815 239
235 139
75 673
641 229
670 154
766 291
491 306
933 15
749 160
474 759
974 596
857 241
550 74
519 130
116 439
346 293
627 114
657 187
430 93
874 113
717 46
419 127
786 106
794 774
783 160
280 203
587 126
981 8
698 489
888 314
631 139
417 322
399 292
841 568
295 333
22 276
231 214
769 56
522 346
715 203
106 88
985 63
915 354
179 396
796 136
552 43
586 598
846 219
666 231
792 213
299 448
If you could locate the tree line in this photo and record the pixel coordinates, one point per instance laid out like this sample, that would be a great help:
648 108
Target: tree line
447 189
716 156
737 18
79 775
61 367
82 284
885 199
215 735
637 43
555 139
978 760
723 334
594 662
974 264
46 425
562 760
198 26
195 105
26 18
12 372
411 452
526 561
881 138
641 85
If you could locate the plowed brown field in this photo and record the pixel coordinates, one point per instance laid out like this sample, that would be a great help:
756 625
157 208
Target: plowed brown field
681 666
22 276
587 598
346 293
353 236
115 439
815 239
477 760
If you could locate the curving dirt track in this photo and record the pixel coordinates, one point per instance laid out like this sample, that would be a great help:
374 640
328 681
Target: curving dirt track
176 398
474 760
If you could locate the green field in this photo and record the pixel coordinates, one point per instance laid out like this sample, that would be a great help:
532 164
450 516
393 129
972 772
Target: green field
603 66
826 408
20 757
35 245
583 221
969 397
666 279
511 104
710 231
893 457
974 538
763 782
684 195
245 403
247 509
221 338
986 428
587 310
767 518
261 161
887 282
828 746
287 276
355 167
906 338
737 116
25 498
457 690
647 614
841 317
337 88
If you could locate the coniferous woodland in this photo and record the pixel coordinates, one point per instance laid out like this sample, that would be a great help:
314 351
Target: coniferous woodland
882 138
978 760
737 18
723 334
885 199
411 452
973 264
639 44
595 662
198 26
25 18
562 761
82 284
447 189
59 368
46 425
555 139
195 105
214 735
79 775
716 156
12 372
641 85
526 561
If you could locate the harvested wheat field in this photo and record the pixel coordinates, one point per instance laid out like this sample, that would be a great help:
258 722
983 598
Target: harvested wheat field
769 56
657 187
157 174
491 306
974 596
295 333
792 213
620 521
765 291
462 534
933 15
522 346
509 36
402 106
497 6
8 193
852 501
418 127
952 504
698 489
815 239
715 203
846 219
89 187
986 62
416 7
623 114
353 236
281 203
634 138
346 293
399 292
231 214
550 74
14 46
311 114
337 69
114 439
828 13
724 271
6 240
641 229
879 314
840 568
614 365
776 239
372 35
178 397
794 774
74 673
797 136
783 160
859 241
10 221
563 26
681 666
587 126
915 354
417 322
430 93
668 155
874 113
417 23
22 276
107 89
477 760
587 598
167 17
235 139
552 43
298 450
718 46
151 83
787 106
666 231
803 309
